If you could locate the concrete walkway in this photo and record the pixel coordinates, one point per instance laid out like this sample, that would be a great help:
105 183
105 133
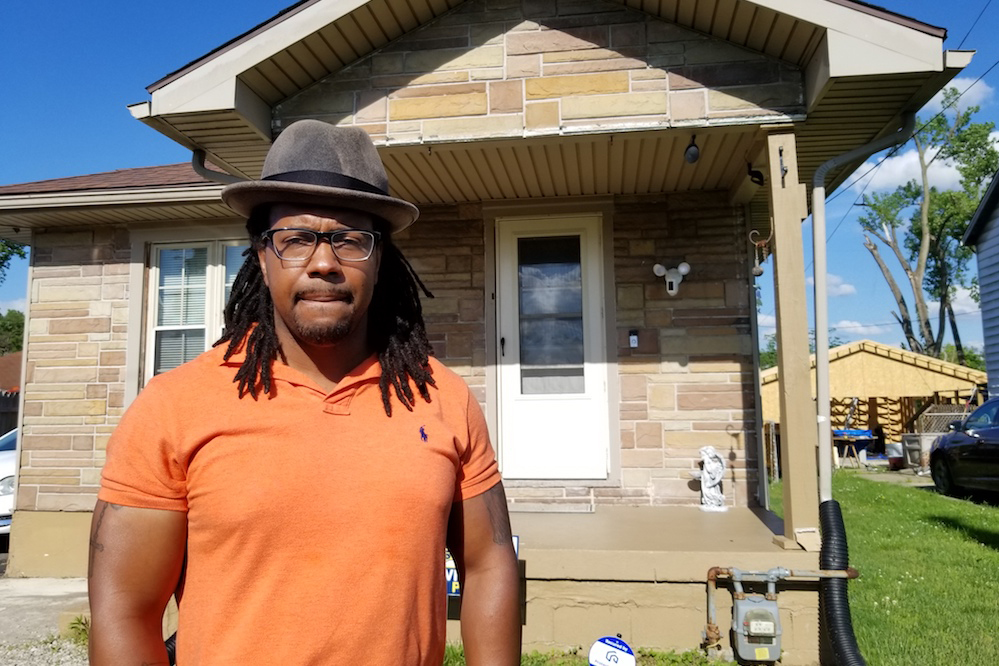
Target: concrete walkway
32 608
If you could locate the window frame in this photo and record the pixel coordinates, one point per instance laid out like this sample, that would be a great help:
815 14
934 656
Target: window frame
143 281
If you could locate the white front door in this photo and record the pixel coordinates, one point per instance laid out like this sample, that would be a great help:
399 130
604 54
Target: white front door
552 366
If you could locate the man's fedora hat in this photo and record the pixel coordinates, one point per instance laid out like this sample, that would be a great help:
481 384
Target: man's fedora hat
317 164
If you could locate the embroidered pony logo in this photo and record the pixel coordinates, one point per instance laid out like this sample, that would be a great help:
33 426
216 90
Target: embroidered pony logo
423 434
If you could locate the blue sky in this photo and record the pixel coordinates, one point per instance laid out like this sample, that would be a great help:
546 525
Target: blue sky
71 68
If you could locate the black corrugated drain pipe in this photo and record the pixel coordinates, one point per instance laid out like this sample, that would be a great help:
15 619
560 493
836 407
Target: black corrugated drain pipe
834 603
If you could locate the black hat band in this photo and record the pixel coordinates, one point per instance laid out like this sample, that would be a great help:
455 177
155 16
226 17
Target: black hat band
326 179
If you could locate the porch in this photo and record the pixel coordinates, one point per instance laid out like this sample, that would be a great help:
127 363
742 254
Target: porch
641 571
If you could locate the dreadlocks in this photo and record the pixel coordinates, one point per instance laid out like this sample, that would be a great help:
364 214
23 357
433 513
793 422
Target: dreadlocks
395 322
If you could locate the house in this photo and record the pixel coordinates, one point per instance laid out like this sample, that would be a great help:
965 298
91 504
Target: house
880 386
569 147
983 235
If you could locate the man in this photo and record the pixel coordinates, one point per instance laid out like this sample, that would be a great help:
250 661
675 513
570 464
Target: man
274 482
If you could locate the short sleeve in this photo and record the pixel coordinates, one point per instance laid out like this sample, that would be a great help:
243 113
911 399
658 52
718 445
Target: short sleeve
142 468
478 470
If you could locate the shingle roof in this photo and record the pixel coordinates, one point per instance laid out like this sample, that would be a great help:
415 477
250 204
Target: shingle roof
155 176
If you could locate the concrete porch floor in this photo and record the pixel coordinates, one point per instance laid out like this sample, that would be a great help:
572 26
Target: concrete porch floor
641 572
646 543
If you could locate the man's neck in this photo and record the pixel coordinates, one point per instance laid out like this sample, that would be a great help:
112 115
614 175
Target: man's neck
328 364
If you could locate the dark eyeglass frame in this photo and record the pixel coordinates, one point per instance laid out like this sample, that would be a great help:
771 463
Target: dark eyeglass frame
320 236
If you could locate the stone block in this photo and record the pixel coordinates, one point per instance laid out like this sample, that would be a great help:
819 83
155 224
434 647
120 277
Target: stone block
747 98
454 59
583 84
643 458
523 66
444 106
492 126
648 435
575 39
75 408
662 396
542 115
630 297
614 106
48 293
591 66
372 107
735 399
506 97
83 325
687 105
63 375
633 387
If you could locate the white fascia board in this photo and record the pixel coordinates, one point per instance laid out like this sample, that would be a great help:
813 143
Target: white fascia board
218 74
858 28
208 193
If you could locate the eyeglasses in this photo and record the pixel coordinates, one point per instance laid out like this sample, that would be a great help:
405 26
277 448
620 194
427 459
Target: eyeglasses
292 244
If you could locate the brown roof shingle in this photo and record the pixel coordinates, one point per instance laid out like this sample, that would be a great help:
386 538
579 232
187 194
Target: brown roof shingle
155 176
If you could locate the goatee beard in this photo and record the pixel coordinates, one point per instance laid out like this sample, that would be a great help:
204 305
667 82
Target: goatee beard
326 334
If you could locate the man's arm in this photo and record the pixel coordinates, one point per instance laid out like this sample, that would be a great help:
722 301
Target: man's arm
136 556
480 541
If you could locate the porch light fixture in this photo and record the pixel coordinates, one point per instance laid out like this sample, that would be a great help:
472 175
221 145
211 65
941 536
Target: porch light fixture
693 152
755 177
672 276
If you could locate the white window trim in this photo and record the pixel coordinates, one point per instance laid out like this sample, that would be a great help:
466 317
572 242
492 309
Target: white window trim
141 278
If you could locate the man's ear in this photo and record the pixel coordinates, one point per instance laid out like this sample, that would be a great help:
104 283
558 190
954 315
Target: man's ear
261 254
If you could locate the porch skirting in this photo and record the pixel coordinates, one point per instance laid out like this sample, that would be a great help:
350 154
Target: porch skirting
641 572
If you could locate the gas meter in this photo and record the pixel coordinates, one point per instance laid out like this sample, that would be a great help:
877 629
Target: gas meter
756 625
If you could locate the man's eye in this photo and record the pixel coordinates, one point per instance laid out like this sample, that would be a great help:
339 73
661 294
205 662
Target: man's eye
300 239
349 241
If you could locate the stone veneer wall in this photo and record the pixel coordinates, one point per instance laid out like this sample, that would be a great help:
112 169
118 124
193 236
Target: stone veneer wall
690 383
510 68
75 355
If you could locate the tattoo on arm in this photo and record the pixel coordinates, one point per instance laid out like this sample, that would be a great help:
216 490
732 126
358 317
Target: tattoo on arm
95 545
499 519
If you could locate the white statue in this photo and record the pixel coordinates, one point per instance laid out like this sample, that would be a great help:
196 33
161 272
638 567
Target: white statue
711 474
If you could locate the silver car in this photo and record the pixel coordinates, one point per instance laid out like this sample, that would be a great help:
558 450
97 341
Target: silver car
8 465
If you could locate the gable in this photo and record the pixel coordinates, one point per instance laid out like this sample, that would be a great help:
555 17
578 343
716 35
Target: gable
534 71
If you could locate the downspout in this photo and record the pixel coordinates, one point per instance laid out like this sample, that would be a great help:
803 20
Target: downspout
821 300
833 600
198 164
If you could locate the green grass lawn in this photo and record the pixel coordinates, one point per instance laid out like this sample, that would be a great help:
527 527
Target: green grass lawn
928 591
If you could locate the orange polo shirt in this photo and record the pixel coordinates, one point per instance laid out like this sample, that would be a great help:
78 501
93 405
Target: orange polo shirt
316 523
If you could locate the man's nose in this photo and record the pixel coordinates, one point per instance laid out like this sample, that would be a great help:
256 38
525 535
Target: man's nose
323 259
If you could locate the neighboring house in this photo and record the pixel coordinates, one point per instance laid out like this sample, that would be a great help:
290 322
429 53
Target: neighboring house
545 143
887 382
983 235
10 383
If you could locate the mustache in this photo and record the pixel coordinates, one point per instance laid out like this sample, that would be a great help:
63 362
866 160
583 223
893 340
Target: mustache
325 294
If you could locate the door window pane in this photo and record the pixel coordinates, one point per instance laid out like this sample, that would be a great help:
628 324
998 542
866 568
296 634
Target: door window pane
550 290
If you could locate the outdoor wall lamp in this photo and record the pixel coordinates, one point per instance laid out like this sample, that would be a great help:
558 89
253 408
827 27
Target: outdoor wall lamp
672 276
693 152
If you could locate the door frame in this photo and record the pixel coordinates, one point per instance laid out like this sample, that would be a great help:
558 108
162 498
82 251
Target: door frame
604 208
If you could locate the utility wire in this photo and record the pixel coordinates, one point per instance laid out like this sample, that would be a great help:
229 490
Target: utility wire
989 2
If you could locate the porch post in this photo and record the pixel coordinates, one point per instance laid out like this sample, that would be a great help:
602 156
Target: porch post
799 439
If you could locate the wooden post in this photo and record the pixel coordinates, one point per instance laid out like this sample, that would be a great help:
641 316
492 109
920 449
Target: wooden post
798 414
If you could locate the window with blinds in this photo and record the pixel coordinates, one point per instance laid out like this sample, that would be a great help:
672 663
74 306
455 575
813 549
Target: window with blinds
189 285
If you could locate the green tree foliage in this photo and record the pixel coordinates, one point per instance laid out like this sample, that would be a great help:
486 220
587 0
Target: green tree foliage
768 355
973 358
8 251
11 332
922 226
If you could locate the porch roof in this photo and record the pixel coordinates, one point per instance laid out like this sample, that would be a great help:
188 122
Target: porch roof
864 66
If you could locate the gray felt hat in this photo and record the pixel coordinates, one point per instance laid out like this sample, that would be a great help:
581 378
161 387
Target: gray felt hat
315 163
